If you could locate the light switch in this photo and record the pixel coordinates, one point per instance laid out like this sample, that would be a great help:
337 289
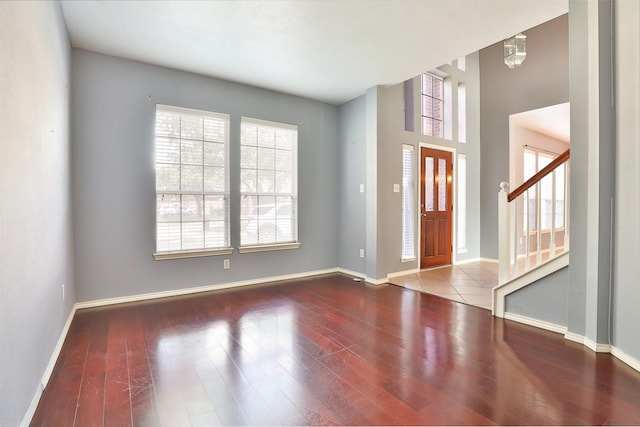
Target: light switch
396 188
362 188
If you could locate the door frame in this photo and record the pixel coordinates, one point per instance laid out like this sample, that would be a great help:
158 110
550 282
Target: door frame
454 191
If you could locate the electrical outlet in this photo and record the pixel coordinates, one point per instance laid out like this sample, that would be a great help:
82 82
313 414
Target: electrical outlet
361 253
226 264
63 292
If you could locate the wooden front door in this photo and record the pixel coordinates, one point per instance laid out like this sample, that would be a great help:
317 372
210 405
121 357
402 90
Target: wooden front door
436 208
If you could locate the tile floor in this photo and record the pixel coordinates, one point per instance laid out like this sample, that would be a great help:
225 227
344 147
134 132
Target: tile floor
468 283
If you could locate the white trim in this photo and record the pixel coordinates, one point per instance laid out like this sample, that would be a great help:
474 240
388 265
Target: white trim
270 247
629 360
159 256
269 123
571 336
350 273
535 322
403 273
192 111
376 282
577 338
597 347
367 279
501 291
454 193
195 290
33 405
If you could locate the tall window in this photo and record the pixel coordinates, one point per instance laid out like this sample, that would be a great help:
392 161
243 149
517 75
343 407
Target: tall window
535 161
462 203
432 105
408 203
462 113
192 180
268 183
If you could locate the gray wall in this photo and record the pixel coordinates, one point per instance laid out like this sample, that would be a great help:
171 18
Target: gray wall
544 300
113 105
391 135
626 291
35 213
352 153
542 80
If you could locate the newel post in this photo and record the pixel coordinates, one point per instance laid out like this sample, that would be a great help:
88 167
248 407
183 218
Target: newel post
503 233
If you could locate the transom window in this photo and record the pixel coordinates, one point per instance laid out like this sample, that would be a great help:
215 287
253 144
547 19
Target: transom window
432 105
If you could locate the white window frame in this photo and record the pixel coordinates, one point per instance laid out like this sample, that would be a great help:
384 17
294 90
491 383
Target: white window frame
172 193
461 202
539 189
277 227
431 99
408 203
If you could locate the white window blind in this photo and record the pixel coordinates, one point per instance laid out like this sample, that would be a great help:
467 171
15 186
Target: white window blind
408 203
462 203
192 180
432 105
268 183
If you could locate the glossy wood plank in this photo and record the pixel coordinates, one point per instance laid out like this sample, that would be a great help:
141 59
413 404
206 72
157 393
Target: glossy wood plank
326 351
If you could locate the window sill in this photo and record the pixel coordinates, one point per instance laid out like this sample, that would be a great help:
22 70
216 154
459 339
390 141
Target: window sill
407 259
159 256
265 248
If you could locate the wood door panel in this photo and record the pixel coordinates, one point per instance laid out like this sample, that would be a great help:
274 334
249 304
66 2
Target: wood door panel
436 207
429 238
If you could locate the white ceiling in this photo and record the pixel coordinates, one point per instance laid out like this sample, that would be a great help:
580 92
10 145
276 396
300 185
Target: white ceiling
329 50
552 121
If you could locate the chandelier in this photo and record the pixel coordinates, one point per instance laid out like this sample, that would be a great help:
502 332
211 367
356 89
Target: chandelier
515 50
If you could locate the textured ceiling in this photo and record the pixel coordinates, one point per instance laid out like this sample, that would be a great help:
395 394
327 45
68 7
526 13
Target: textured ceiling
330 50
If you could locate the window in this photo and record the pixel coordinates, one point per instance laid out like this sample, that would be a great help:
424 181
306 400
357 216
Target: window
268 185
192 182
535 161
408 203
432 105
461 63
462 203
462 113
408 105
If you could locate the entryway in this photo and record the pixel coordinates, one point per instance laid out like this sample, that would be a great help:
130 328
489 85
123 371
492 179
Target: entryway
468 283
436 207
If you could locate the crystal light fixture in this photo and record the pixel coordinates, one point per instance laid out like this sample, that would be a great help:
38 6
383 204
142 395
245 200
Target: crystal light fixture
515 50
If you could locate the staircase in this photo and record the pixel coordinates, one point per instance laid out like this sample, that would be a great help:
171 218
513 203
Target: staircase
533 229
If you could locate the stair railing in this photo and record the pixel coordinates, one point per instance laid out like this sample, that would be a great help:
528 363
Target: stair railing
533 230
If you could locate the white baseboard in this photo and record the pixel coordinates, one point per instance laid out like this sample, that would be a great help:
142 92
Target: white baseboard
364 277
631 361
33 405
535 322
403 273
207 288
351 273
580 339
571 336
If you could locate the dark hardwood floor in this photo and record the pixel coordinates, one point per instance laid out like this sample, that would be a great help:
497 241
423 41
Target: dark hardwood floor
326 350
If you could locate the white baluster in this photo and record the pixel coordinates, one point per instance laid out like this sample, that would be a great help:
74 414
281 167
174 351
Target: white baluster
503 233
